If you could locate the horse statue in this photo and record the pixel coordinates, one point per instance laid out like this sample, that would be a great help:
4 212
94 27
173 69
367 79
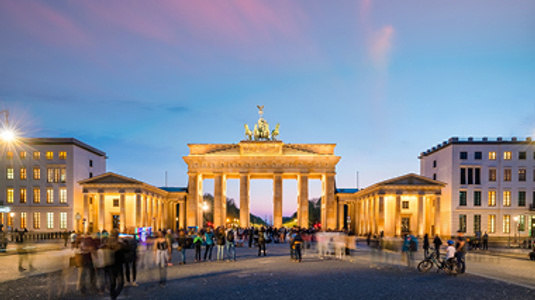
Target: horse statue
275 133
248 133
256 132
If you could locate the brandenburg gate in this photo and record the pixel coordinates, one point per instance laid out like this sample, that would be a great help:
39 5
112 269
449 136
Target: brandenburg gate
261 156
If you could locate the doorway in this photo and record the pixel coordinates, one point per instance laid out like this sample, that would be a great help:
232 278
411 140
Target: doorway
116 221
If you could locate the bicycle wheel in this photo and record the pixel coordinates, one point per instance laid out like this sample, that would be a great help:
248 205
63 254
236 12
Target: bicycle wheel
425 265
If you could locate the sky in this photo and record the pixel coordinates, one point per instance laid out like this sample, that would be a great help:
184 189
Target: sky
384 80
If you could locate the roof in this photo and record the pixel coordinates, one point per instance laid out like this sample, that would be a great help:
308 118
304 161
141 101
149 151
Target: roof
62 141
174 189
475 141
346 191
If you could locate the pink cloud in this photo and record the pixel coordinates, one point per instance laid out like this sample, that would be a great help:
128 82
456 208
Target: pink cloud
381 46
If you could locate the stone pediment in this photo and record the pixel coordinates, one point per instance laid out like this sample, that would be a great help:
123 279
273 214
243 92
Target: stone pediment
411 179
110 178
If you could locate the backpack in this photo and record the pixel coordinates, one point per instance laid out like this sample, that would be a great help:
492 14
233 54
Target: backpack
230 236
412 245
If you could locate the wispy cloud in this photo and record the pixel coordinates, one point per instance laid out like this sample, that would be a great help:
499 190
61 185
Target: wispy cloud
381 47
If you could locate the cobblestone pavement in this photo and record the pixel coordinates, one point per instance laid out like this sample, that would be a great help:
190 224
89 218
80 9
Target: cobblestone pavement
361 276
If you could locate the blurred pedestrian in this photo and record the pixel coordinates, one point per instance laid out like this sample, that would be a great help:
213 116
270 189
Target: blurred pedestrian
262 241
485 241
220 241
182 242
197 241
209 241
230 245
162 249
437 242
426 245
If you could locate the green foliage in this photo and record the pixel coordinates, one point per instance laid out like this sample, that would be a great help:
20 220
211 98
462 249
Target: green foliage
233 212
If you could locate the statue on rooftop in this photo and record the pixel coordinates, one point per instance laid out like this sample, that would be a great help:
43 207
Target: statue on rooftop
261 130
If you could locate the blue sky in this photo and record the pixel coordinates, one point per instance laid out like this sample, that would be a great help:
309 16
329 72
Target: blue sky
384 80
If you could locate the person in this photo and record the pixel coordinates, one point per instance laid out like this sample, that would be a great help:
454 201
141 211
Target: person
86 268
450 253
209 240
130 264
437 242
197 241
297 244
162 248
65 238
171 240
485 241
116 275
461 250
262 241
230 246
426 245
368 239
410 245
250 236
220 241
182 244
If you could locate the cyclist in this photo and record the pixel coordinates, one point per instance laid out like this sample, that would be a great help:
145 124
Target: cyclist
461 250
450 253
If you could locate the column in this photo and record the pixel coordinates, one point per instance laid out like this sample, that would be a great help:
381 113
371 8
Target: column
122 212
370 215
437 215
139 221
302 202
154 213
194 207
382 218
244 200
101 213
330 207
421 224
145 211
374 214
277 200
160 213
397 215
182 214
220 200
340 215
86 213
165 219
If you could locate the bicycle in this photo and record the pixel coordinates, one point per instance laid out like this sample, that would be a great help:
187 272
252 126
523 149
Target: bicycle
449 267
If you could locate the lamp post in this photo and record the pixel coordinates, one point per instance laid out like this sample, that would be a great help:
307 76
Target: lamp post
205 208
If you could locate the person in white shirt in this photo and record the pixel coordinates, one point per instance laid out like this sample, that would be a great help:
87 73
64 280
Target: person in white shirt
450 252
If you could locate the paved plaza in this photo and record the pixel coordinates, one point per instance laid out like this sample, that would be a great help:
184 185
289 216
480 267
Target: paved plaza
364 275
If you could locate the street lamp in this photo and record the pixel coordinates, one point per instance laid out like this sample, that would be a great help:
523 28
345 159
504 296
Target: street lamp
7 134
205 208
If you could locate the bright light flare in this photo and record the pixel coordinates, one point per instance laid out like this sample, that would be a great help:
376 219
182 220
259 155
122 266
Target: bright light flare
8 135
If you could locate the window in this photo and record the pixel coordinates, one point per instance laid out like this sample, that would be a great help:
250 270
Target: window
90 174
9 195
463 155
49 195
36 173
63 220
49 175
36 220
521 174
404 204
22 195
477 223
477 198
507 155
56 175
62 155
116 202
522 155
23 218
521 223
9 220
10 174
462 223
91 163
492 155
9 155
22 154
36 155
434 164
49 155
506 223
62 175
470 176
492 198
507 174
506 198
463 176
36 195
521 198
23 173
50 220
434 176
492 175
62 195
462 198
478 155
477 174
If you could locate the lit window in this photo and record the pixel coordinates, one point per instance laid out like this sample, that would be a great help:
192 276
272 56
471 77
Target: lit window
49 175
9 155
62 155
36 155
492 174
23 173
492 198
462 198
507 155
49 195
507 174
405 204
462 223
56 175
50 220
522 155
22 195
477 223
521 174
63 220
521 198
23 154
506 223
506 198
10 174
477 198
492 224
49 155
36 220
36 173
62 195
23 218
62 175
36 195
9 220
492 155
9 195
522 223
